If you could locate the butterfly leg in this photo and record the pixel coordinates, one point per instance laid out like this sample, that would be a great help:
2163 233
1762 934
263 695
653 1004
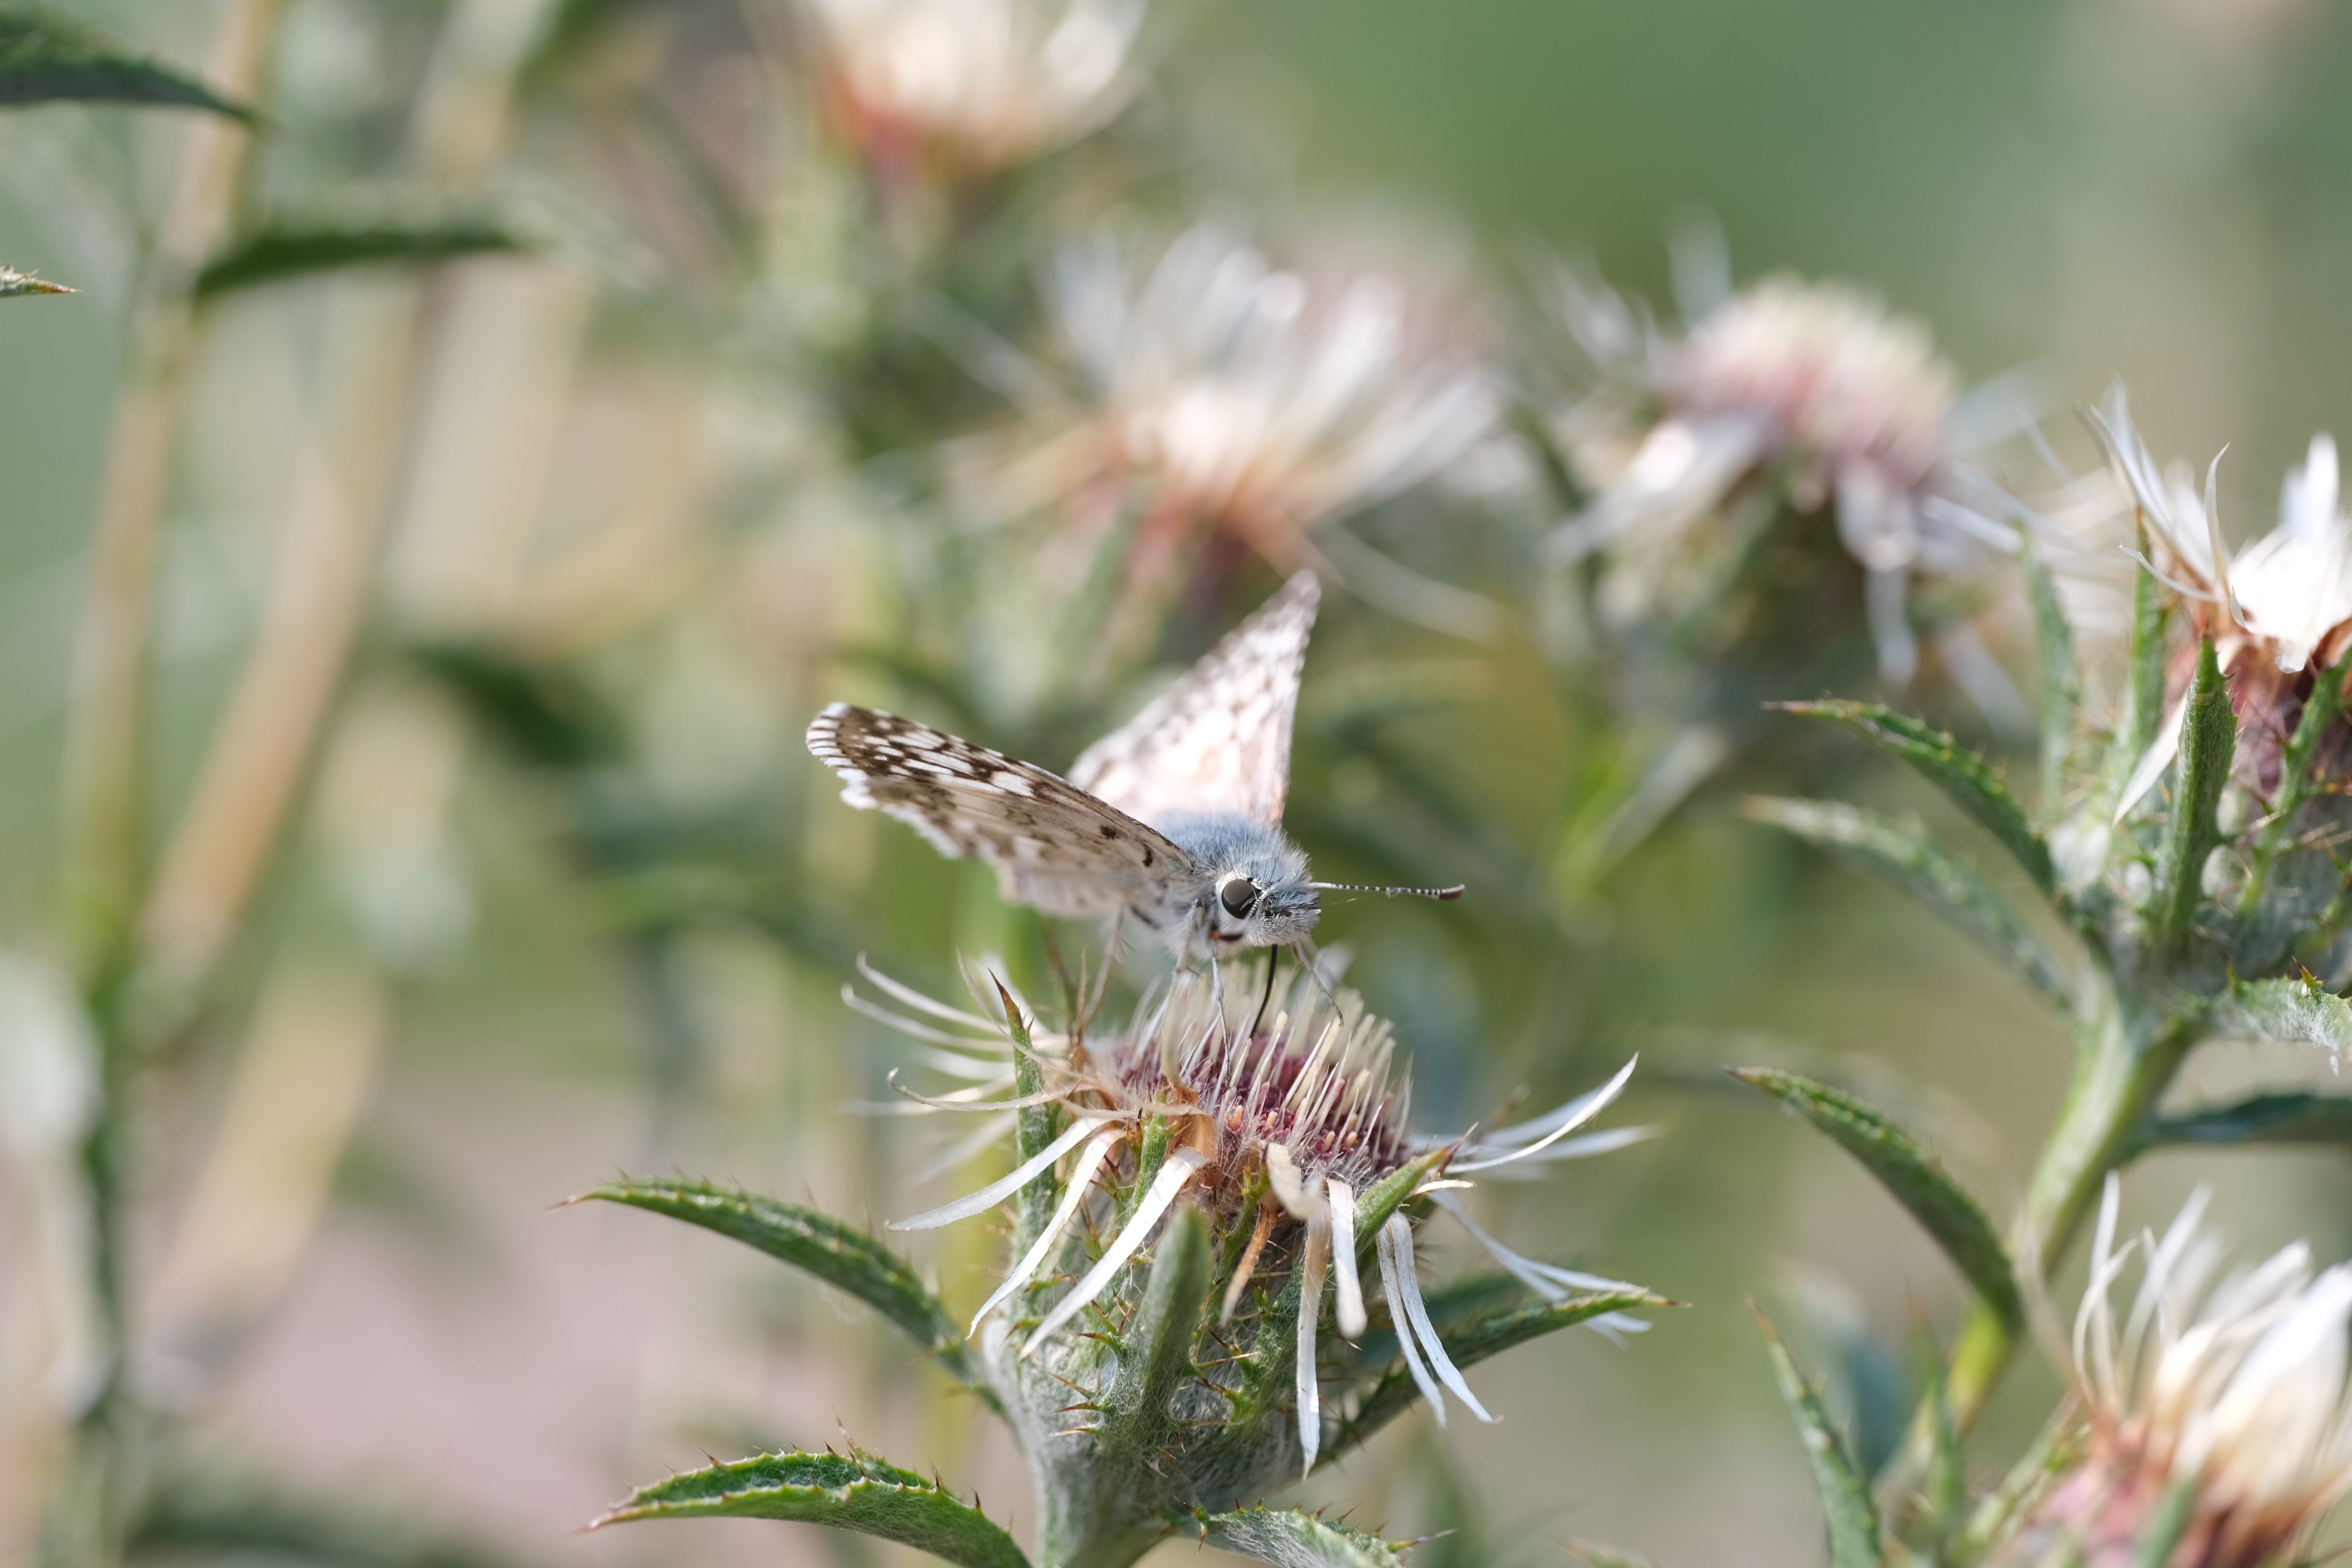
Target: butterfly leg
1273 962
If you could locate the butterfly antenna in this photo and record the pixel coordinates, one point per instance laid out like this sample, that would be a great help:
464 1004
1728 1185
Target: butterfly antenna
1445 895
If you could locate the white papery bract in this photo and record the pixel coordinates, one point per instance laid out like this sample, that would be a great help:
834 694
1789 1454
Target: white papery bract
1242 395
1274 1110
1813 382
2230 1385
977 85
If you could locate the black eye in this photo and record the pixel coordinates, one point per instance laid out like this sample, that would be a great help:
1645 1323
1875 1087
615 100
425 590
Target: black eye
1239 895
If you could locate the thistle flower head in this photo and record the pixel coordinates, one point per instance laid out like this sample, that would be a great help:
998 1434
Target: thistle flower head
1815 386
1273 1111
2279 610
1241 395
2288 593
2216 1407
972 85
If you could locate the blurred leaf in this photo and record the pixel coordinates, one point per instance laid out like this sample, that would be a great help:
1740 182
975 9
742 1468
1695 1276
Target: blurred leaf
1291 1540
2061 686
1913 862
846 1492
1846 1506
2299 1012
2209 738
1960 772
844 1257
1945 1495
2143 714
1911 1175
543 716
191 1516
1613 823
1395 1392
2166 1523
2264 1119
280 250
44 60
1601 1556
1374 1352
13 283
2052 1456
1865 1384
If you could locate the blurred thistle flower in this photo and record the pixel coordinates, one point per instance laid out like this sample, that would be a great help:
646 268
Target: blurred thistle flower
1276 1112
1224 393
1810 388
2279 610
2217 1425
971 86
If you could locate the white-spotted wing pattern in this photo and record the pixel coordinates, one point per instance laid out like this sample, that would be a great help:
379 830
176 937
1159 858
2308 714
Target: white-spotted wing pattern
1217 742
1179 823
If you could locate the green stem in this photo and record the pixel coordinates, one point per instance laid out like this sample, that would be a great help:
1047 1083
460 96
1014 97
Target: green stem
2124 1064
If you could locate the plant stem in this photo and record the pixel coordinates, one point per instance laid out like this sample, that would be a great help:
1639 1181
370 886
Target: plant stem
2124 1063
102 871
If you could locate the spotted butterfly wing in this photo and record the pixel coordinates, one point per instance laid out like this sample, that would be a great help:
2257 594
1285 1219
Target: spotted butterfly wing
1054 848
1216 743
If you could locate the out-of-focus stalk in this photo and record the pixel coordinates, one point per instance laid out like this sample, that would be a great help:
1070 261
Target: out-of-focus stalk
103 869
263 1188
106 773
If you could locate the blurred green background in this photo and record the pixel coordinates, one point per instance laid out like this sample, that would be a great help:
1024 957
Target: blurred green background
2155 189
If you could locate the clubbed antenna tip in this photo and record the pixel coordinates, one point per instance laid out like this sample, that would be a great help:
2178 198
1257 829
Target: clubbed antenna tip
1443 894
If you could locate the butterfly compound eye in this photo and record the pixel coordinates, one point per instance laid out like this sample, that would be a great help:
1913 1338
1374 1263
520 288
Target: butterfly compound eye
1239 895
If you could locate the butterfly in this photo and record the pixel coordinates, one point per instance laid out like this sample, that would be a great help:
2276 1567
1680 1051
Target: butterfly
1173 820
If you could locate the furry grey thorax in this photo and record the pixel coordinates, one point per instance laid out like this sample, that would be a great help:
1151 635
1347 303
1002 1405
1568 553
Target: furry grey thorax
1250 890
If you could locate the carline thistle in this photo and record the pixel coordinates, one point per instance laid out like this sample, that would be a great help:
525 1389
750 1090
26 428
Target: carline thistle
1266 1140
1174 819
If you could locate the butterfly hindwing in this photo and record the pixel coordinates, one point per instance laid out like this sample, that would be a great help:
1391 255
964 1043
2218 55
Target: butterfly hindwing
1217 742
1055 846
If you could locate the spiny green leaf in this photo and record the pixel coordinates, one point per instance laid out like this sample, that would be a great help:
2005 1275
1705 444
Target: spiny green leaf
293 248
2300 1011
1909 1173
2209 738
46 59
843 1257
1290 1540
2266 1119
1852 1517
847 1491
1914 863
13 283
1960 772
1468 1346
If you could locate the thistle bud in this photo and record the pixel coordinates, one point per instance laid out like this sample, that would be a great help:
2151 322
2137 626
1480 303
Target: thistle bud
2216 1429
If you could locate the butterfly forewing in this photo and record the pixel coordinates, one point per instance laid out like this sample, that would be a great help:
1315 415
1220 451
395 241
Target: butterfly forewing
1218 741
1054 848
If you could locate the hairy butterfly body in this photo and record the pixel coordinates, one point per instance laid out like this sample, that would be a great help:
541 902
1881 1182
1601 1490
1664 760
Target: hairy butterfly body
1174 819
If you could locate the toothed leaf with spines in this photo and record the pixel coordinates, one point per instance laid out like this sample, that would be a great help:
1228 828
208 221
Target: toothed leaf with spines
1964 776
1911 1175
853 1491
